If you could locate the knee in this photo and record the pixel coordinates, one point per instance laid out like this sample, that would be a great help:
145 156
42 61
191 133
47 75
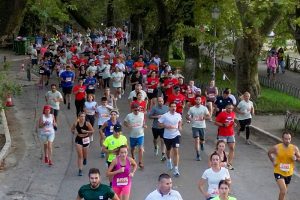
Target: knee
283 191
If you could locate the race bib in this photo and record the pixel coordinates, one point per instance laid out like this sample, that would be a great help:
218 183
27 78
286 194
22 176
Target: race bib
91 87
41 71
284 167
190 95
68 79
86 140
198 118
150 90
122 181
104 115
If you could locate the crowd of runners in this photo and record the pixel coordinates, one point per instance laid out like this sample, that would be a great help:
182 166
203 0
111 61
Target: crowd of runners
100 66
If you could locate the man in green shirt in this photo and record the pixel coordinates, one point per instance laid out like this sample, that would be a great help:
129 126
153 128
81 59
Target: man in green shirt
112 143
95 190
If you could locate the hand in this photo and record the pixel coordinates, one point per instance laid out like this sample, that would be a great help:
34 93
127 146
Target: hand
122 169
207 195
145 126
131 174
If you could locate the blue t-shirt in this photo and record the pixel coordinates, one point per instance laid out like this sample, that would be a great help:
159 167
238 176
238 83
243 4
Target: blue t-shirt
90 82
68 78
129 64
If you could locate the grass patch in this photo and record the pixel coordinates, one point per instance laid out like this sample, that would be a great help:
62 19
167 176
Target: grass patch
176 63
272 101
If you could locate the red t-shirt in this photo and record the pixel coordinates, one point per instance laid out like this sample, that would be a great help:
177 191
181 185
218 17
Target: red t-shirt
224 117
81 94
193 101
179 100
142 105
169 84
138 65
183 89
81 61
153 67
152 83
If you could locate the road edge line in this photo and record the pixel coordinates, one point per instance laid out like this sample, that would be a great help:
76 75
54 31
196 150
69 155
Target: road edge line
6 148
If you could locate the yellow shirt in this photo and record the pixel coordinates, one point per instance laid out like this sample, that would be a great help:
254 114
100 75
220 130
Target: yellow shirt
112 143
284 161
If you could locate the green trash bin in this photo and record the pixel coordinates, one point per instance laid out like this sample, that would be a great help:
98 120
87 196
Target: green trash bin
22 46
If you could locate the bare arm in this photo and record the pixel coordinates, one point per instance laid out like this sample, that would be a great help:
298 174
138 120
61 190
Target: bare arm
201 185
110 172
78 197
272 151
297 154
115 197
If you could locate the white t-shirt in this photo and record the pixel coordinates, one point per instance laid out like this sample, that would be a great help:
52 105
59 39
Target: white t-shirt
213 179
173 120
233 99
197 116
133 94
52 97
136 123
121 66
90 107
92 69
246 108
117 79
103 113
156 195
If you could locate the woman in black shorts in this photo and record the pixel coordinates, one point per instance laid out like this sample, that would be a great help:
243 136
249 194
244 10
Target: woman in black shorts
84 130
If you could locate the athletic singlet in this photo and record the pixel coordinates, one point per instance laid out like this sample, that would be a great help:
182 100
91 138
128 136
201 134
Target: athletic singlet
79 128
48 122
211 93
122 179
109 129
284 161
224 156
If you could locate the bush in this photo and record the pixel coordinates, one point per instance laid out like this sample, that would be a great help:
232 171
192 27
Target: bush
177 52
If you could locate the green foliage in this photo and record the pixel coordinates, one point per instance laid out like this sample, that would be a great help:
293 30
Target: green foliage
7 86
177 52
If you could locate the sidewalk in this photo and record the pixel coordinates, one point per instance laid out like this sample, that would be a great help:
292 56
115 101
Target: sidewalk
289 77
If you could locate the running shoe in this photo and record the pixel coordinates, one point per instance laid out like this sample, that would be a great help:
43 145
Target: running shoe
156 151
84 161
50 163
120 96
69 106
198 158
202 147
46 159
248 142
102 155
169 164
230 167
163 158
176 172
141 165
80 172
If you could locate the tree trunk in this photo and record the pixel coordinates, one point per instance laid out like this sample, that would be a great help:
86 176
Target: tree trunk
297 31
110 13
11 17
246 52
191 52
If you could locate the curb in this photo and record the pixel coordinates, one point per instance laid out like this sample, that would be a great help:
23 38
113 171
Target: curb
7 146
275 138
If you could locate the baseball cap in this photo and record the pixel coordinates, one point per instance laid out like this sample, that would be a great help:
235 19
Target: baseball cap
135 105
47 107
117 128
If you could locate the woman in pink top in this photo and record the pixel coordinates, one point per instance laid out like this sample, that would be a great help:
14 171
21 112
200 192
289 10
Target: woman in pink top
121 170
272 64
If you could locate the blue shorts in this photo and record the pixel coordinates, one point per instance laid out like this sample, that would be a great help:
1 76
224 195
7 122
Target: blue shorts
136 142
227 139
47 137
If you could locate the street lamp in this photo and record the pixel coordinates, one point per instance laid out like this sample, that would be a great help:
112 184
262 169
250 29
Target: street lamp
215 13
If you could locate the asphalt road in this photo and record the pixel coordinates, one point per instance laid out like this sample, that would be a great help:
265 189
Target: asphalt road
30 179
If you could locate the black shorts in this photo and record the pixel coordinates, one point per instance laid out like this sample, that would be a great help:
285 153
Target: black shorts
152 95
287 179
90 91
34 61
172 143
67 90
90 118
244 123
54 112
158 132
78 140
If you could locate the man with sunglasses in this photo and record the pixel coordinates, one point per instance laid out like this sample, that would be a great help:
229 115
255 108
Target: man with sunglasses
135 121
